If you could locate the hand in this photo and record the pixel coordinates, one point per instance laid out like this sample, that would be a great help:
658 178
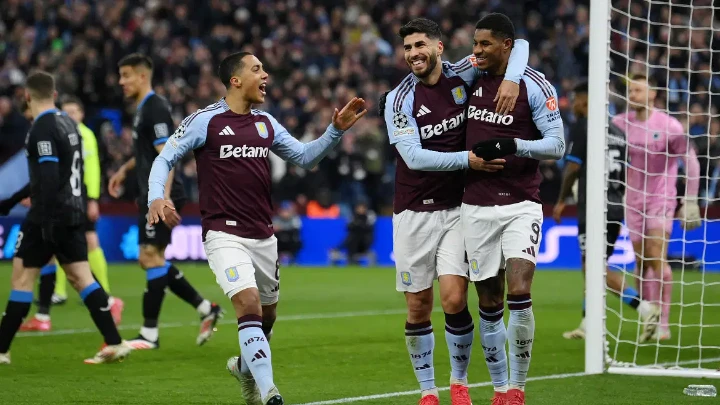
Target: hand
26 202
689 214
48 229
172 217
115 183
93 210
495 148
557 211
381 103
348 116
157 210
477 163
506 96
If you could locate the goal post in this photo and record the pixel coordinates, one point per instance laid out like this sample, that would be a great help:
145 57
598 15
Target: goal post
596 187
672 43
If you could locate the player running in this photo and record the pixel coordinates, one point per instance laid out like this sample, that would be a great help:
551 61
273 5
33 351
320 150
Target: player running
152 125
231 143
52 277
425 118
501 214
656 142
55 224
575 168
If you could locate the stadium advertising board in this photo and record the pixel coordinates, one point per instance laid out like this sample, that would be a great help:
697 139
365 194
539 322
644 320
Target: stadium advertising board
558 250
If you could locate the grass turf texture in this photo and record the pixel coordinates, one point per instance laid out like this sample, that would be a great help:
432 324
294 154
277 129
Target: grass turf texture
339 335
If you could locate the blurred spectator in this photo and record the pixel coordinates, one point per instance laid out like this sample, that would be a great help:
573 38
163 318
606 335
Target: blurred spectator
323 207
287 226
360 236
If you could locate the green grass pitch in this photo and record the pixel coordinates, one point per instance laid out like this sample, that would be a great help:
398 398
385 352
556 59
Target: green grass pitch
339 336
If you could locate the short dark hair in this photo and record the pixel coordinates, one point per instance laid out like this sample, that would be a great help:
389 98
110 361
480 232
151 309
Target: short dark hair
635 77
231 64
68 99
423 26
499 25
581 87
135 60
41 85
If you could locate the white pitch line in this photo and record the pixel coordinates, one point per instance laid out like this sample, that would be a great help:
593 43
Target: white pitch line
280 318
417 392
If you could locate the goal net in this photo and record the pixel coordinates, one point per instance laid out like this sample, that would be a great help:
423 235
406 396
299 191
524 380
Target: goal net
674 45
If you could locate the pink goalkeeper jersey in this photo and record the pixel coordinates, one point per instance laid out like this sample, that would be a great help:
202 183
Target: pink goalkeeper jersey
654 148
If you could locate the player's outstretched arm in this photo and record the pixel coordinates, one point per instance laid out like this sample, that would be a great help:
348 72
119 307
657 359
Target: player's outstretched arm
189 135
7 205
307 155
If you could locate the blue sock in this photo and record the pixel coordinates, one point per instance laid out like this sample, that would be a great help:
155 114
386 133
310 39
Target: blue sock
420 342
255 350
493 336
631 297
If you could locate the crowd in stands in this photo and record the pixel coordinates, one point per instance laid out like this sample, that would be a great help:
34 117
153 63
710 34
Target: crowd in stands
321 53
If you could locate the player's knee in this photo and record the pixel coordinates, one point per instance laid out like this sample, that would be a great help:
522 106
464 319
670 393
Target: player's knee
150 257
454 302
247 302
491 291
92 241
419 305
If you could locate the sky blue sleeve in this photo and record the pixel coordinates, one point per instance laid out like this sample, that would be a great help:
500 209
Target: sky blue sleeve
546 115
404 134
305 155
189 135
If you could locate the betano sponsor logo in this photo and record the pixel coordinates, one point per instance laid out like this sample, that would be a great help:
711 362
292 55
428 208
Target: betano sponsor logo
428 131
486 115
227 151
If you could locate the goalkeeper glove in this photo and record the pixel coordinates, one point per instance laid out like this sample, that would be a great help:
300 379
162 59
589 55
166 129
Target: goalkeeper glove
690 214
381 103
495 148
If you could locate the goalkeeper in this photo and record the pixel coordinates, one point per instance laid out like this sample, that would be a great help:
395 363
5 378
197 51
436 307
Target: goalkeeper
656 143
51 274
575 168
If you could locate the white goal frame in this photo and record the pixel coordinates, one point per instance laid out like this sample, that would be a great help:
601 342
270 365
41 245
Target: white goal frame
596 361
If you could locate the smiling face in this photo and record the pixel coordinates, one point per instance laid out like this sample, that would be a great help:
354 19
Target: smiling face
490 51
422 53
251 79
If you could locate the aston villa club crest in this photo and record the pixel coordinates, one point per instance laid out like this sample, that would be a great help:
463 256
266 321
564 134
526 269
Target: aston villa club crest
262 129
459 94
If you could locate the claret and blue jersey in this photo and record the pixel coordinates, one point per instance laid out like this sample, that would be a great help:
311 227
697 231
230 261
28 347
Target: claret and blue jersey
231 151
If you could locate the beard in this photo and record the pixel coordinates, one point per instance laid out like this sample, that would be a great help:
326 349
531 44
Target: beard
431 63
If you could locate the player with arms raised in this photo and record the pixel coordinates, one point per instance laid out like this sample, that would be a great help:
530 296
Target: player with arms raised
425 118
575 168
502 214
152 125
231 143
656 143
55 224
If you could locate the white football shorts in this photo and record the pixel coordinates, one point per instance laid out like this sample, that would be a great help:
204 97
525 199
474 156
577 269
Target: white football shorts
241 263
427 245
496 233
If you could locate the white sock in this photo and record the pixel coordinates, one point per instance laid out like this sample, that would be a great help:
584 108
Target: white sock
255 350
493 337
521 332
420 342
459 336
42 317
150 334
204 308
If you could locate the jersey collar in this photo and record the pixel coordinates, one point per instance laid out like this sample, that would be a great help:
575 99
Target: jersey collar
147 96
46 112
